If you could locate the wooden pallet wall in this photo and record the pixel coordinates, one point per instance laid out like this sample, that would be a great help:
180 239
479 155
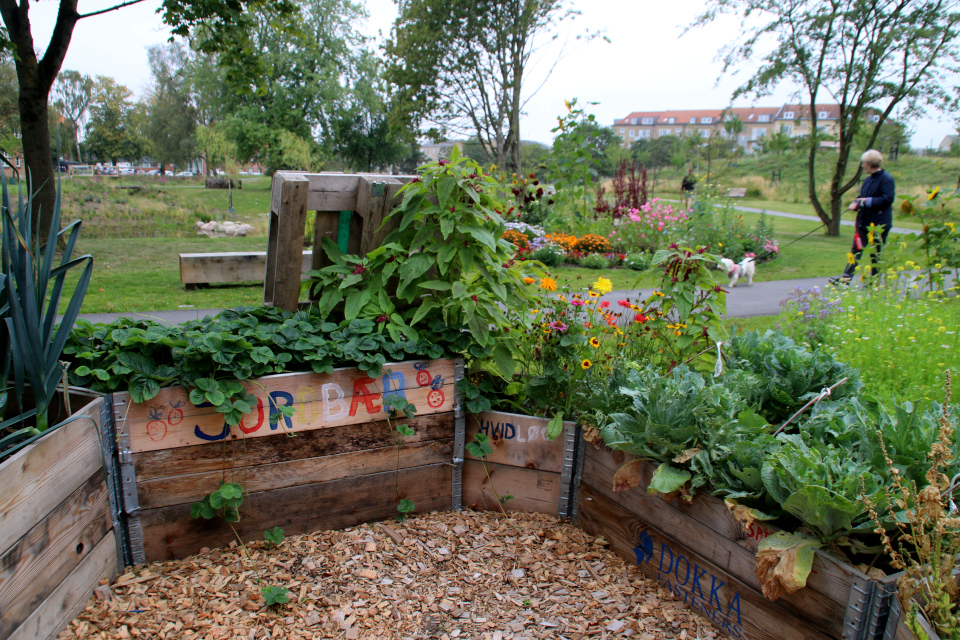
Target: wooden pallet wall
702 554
56 528
334 464
524 464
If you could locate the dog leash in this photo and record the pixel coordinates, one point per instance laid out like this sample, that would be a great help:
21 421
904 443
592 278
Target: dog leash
803 236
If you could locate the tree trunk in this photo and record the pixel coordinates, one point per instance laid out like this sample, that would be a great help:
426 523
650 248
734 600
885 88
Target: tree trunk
36 155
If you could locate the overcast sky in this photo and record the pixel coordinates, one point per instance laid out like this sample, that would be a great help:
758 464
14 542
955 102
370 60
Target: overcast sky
646 66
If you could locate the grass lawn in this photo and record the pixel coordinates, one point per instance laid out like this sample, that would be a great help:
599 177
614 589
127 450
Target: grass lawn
143 274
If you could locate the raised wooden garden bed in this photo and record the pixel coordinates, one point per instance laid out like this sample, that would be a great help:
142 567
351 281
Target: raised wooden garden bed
525 463
704 555
56 526
333 465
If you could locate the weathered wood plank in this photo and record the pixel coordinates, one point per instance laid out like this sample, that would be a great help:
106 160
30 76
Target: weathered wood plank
35 564
170 533
717 595
829 577
166 463
810 604
345 397
71 595
326 225
518 440
191 488
230 266
290 230
533 491
39 477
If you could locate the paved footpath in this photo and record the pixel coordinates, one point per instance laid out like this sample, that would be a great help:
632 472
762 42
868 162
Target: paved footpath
761 299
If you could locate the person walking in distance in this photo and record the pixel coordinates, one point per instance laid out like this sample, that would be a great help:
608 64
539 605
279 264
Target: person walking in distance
687 187
874 206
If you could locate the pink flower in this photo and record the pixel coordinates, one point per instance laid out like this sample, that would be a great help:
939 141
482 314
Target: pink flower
624 303
604 304
558 326
577 303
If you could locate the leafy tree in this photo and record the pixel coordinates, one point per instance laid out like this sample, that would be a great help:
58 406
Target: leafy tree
218 25
365 142
661 152
860 54
73 92
214 146
733 127
172 117
463 67
114 131
314 73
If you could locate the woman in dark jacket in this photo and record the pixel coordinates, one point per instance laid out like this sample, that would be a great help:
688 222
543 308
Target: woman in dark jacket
874 206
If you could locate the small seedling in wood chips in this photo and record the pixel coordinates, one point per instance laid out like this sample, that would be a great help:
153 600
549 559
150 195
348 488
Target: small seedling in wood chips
405 507
274 536
503 499
274 595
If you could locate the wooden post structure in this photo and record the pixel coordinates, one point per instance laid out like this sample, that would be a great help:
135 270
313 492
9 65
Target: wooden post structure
288 215
350 210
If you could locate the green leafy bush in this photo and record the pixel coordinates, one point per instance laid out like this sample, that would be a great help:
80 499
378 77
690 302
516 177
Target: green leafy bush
595 261
550 254
637 261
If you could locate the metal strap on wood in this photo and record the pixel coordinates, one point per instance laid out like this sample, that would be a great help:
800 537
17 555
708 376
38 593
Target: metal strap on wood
108 447
128 484
858 608
459 438
580 452
571 435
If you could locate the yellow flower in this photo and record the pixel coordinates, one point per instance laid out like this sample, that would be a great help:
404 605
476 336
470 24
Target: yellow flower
870 237
851 259
720 243
548 284
952 226
529 280
594 342
569 108
594 294
933 194
586 364
561 298
603 285
534 311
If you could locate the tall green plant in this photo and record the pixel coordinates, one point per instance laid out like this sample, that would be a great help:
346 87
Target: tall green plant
33 282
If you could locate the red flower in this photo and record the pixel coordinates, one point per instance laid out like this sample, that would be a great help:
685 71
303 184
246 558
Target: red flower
604 304
360 270
624 303
382 318
640 318
443 162
474 298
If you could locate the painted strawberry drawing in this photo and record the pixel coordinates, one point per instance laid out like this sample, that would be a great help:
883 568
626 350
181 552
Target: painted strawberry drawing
435 398
156 427
175 416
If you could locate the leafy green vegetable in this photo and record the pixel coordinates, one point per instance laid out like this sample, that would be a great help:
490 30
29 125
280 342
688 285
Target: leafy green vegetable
778 376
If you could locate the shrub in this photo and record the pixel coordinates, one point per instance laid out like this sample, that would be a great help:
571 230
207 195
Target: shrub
517 238
614 259
568 243
591 243
595 261
754 193
637 261
549 254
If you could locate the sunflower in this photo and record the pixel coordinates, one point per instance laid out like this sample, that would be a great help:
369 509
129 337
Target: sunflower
594 294
586 364
933 194
594 342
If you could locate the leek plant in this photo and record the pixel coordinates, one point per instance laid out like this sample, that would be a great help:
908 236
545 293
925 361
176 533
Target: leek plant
32 282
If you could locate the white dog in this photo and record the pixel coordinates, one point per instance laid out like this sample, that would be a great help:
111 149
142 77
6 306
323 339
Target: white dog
735 271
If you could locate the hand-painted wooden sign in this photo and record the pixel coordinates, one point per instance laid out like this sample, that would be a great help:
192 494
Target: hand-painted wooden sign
346 396
518 440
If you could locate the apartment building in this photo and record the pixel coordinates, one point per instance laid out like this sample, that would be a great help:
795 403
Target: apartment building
758 123
440 150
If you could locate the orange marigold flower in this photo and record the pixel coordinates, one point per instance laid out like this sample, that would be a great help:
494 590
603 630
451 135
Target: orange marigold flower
548 284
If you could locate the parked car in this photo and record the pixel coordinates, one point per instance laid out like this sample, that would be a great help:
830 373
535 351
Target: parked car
185 174
154 172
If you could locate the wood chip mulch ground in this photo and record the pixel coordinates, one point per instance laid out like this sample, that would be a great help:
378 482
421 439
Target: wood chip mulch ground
444 575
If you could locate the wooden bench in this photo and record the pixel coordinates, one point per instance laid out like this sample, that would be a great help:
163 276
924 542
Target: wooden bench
200 269
737 192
